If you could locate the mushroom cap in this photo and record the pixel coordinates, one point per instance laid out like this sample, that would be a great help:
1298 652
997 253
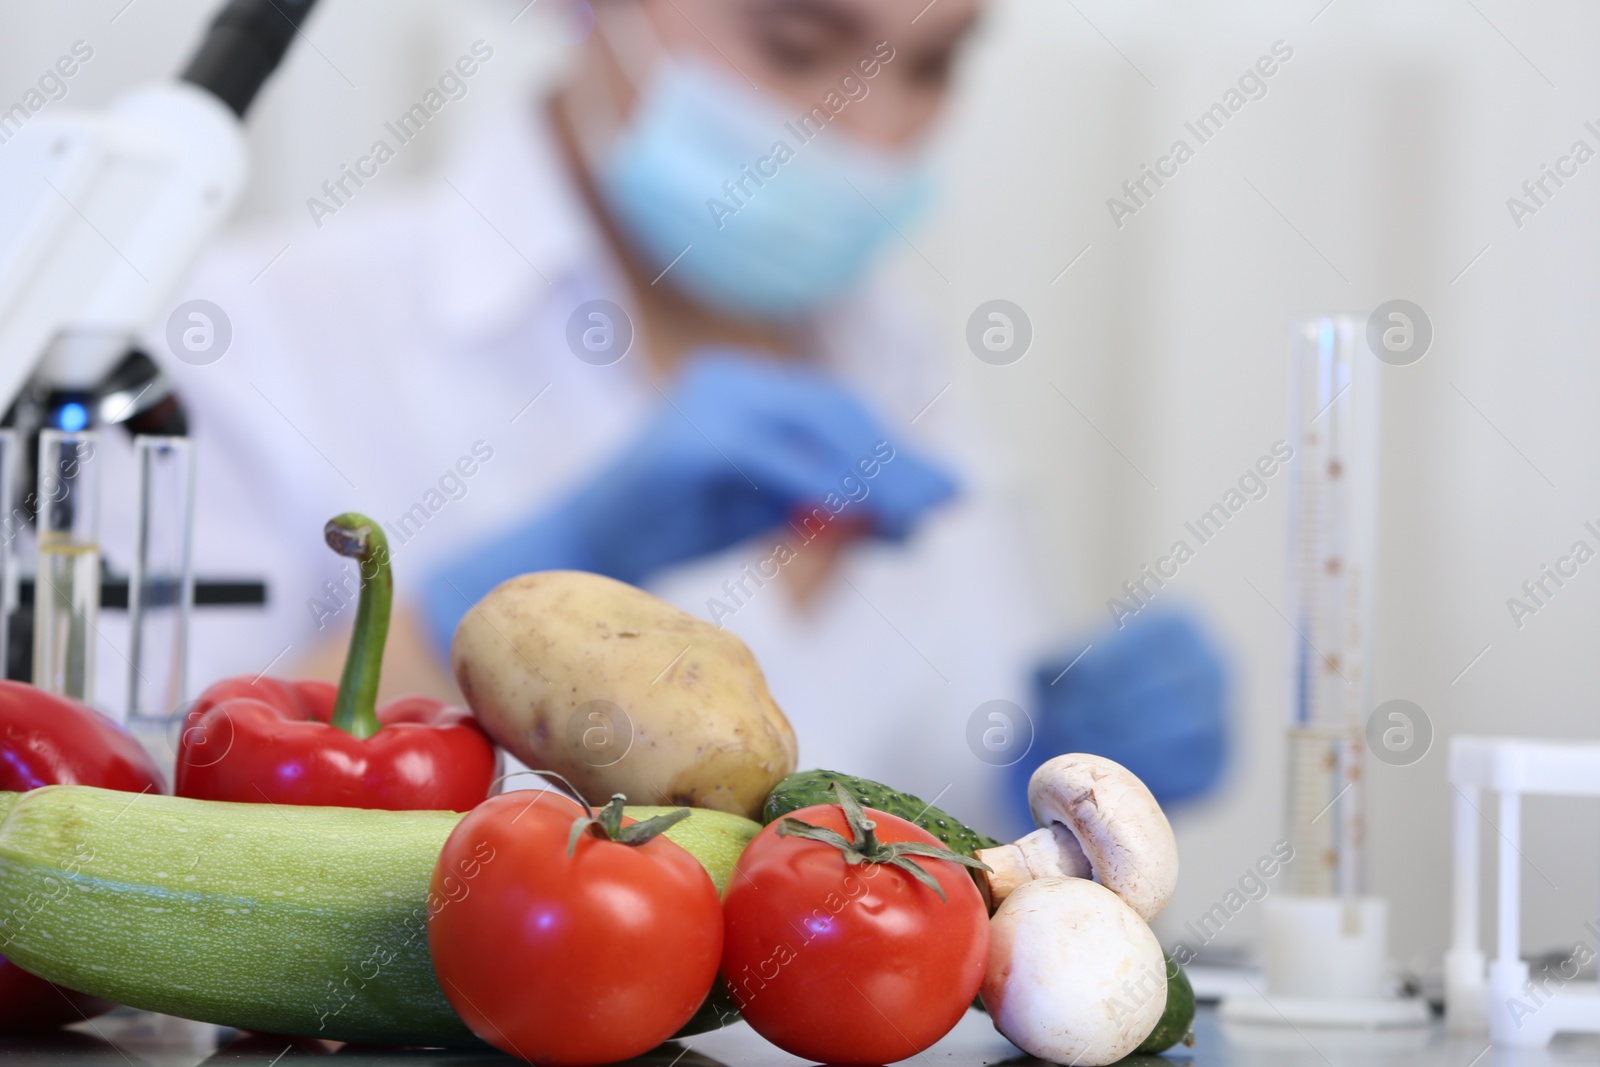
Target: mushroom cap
1074 975
1118 823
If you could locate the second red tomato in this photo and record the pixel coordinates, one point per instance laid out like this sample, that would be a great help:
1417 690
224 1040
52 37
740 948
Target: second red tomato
850 964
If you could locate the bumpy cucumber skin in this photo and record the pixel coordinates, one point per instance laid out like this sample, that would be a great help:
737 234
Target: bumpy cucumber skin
804 788
289 920
1177 1019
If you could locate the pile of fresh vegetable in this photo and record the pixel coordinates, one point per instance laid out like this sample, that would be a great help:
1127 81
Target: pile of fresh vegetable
333 870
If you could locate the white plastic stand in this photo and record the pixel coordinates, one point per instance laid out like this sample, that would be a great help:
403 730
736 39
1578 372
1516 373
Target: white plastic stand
1325 967
1519 1009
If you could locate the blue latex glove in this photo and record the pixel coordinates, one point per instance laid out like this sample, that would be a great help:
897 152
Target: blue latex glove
741 447
1151 696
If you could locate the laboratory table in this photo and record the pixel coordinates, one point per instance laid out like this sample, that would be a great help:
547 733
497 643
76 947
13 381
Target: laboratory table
132 1039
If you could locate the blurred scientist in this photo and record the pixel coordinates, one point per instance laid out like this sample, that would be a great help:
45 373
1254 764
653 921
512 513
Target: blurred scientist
634 332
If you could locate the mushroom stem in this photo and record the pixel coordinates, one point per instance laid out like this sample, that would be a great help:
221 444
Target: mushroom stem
1050 852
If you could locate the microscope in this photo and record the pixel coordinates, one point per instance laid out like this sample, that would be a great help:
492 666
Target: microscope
102 213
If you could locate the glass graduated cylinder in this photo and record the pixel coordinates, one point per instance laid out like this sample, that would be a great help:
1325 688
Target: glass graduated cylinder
1332 516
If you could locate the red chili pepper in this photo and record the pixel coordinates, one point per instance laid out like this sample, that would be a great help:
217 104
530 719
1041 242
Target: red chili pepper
254 740
49 740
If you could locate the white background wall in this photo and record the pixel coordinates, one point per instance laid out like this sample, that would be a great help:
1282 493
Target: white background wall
1377 167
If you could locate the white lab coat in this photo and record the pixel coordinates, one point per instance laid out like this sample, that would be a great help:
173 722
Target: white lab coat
423 332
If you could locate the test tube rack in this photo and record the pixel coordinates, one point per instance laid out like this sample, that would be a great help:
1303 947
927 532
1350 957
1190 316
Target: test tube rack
1519 1009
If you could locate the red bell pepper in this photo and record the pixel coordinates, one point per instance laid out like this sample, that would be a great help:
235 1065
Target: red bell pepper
49 740
262 739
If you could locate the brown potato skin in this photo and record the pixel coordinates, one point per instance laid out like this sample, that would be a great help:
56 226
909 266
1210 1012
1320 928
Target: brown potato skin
705 730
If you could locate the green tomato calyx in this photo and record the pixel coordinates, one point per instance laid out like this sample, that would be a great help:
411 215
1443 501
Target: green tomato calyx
864 846
606 824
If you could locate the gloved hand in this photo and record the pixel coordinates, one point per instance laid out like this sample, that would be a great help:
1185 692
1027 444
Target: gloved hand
1152 696
741 447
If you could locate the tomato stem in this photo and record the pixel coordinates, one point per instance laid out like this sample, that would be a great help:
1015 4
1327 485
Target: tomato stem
863 845
607 825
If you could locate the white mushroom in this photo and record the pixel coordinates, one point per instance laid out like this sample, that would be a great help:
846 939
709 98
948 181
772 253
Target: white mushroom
1096 820
1074 975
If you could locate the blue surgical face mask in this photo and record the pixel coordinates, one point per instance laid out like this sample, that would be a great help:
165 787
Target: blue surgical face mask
755 209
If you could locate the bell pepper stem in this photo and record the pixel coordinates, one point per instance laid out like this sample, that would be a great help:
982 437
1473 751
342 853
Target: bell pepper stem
359 538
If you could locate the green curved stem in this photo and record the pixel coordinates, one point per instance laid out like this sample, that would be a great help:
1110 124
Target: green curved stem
359 538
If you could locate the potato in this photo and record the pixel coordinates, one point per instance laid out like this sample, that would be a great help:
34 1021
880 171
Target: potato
620 692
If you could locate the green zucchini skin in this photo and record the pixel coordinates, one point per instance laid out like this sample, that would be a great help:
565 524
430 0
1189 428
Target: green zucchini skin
805 788
289 920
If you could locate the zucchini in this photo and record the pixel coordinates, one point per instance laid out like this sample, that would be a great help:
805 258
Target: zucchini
805 788
290 920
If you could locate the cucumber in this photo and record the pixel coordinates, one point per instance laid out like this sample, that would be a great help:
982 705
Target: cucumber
719 1009
805 788
1177 1019
290 920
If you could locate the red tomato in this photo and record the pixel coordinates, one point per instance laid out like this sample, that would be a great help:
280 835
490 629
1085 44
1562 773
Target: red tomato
569 960
850 964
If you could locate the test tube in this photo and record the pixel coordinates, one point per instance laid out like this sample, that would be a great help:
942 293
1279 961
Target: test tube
160 583
66 592
1333 509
